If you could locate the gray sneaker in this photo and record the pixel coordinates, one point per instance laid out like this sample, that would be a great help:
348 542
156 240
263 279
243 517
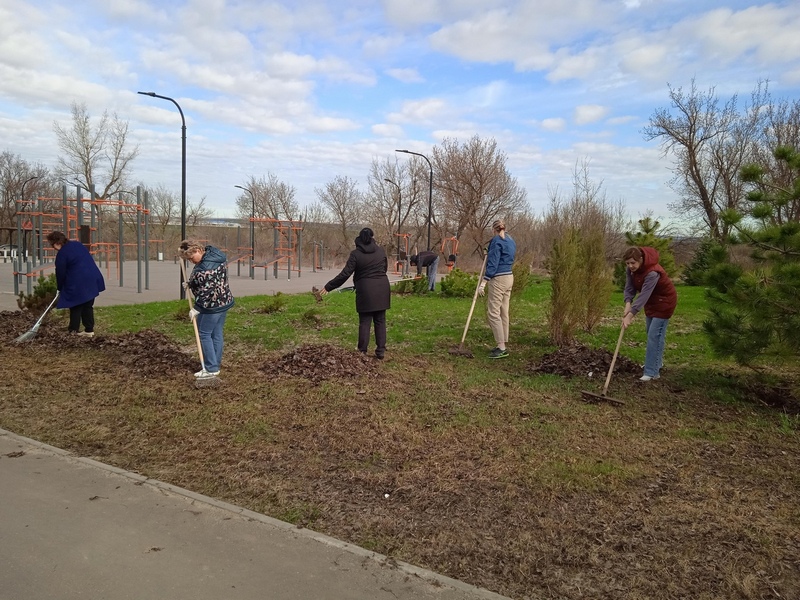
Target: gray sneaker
497 353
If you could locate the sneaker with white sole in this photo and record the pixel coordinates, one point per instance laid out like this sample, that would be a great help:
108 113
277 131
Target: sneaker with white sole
204 373
647 378
86 333
498 353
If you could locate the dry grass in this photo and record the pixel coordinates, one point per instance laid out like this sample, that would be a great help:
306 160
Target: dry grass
507 481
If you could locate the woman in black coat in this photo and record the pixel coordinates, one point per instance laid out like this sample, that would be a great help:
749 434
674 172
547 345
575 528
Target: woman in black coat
368 265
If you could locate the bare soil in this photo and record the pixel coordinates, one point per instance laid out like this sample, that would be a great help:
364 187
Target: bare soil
546 498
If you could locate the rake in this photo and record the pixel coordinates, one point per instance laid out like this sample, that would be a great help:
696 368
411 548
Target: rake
591 396
460 350
31 333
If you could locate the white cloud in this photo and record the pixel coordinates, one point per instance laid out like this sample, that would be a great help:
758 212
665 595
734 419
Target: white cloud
420 112
381 45
387 130
553 124
405 75
589 113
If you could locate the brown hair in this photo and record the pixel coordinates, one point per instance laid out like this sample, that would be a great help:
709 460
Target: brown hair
189 247
498 225
56 237
634 253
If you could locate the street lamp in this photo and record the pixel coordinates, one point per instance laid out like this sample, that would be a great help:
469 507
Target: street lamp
183 173
399 197
24 229
252 228
430 190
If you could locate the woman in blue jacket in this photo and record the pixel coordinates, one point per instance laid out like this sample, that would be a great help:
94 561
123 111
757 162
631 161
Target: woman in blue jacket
500 277
208 282
79 282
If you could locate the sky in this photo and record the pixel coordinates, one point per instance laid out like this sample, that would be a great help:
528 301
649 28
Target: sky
311 90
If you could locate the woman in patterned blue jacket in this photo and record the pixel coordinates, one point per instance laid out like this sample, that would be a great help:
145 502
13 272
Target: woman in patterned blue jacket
208 282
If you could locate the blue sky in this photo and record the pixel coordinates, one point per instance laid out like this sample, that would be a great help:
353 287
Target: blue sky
313 90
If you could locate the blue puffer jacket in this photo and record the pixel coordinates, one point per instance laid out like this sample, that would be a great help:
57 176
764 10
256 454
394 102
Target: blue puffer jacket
500 257
209 282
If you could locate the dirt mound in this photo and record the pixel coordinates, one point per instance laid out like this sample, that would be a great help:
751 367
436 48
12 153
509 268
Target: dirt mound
13 323
321 362
579 361
147 353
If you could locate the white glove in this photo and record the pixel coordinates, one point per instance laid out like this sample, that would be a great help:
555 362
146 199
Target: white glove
185 285
193 313
482 288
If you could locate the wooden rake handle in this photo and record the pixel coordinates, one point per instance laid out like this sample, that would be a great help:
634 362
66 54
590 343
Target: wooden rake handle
190 299
614 359
474 299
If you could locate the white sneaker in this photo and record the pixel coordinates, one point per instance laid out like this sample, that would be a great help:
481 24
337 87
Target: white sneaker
647 378
86 333
205 373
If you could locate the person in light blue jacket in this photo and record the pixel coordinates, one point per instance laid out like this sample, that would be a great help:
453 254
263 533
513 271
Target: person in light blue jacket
79 282
500 277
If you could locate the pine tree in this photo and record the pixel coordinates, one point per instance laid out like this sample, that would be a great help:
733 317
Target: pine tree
648 236
754 312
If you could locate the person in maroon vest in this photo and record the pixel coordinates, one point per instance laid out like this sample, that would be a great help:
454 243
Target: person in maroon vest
657 295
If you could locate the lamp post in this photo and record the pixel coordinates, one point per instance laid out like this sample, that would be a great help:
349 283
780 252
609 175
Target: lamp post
430 190
399 198
183 173
252 228
24 229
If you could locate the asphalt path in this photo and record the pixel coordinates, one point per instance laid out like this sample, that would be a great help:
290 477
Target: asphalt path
72 528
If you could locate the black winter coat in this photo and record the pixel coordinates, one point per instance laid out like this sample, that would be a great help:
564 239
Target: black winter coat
368 265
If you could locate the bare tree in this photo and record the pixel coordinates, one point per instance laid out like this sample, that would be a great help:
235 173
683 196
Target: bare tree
272 199
94 153
16 176
710 144
165 208
782 130
344 201
474 187
198 212
393 202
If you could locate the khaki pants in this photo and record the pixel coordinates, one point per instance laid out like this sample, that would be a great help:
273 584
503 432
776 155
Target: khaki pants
497 307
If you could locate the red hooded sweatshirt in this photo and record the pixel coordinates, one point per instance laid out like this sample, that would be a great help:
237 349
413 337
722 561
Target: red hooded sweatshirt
663 298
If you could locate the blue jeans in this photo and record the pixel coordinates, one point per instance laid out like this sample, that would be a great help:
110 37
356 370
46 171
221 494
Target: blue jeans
431 271
656 337
210 328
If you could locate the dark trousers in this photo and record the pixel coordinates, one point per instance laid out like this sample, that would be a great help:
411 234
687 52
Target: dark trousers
82 313
365 321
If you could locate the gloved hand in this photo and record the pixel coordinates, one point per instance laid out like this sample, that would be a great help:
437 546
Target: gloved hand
323 292
482 288
193 314
185 285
